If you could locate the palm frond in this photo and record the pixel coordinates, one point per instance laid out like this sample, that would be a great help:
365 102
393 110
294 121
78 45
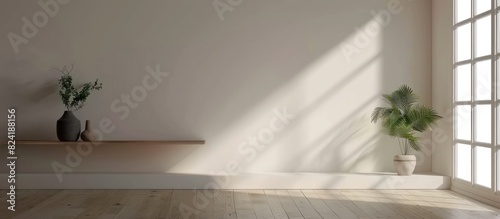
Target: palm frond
380 112
415 143
404 98
402 118
422 118
389 100
397 129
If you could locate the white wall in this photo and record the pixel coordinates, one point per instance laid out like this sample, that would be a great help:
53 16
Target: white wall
326 61
442 85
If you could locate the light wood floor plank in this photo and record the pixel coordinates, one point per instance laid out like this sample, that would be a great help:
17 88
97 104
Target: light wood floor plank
275 204
231 204
62 208
25 200
356 210
335 205
155 204
244 207
392 201
112 211
219 203
427 207
43 204
161 208
98 201
375 201
133 206
456 207
408 204
474 207
319 205
173 209
447 204
365 206
189 205
303 204
260 204
205 204
230 210
288 204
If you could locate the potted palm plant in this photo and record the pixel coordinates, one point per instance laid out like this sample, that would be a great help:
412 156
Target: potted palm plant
402 119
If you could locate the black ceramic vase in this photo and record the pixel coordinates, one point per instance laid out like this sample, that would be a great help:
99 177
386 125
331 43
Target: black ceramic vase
68 127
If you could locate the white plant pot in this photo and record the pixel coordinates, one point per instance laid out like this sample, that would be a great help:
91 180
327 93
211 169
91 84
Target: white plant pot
405 164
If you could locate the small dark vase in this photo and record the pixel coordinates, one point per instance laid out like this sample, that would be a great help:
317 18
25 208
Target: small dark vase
68 127
88 134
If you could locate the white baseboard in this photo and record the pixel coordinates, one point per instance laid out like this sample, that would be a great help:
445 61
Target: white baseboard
242 181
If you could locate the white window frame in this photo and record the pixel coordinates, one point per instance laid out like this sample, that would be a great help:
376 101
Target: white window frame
494 103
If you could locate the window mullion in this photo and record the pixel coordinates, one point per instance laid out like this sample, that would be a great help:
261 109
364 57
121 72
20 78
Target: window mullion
473 97
493 96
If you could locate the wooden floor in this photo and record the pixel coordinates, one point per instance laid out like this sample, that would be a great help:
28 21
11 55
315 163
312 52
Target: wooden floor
245 204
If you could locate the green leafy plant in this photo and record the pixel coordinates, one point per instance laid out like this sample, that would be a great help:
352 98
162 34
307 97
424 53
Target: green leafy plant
72 97
403 118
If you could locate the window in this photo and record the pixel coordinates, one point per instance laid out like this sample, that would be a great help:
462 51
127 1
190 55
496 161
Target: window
475 104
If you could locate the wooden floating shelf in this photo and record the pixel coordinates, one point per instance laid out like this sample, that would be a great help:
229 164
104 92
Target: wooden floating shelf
121 142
